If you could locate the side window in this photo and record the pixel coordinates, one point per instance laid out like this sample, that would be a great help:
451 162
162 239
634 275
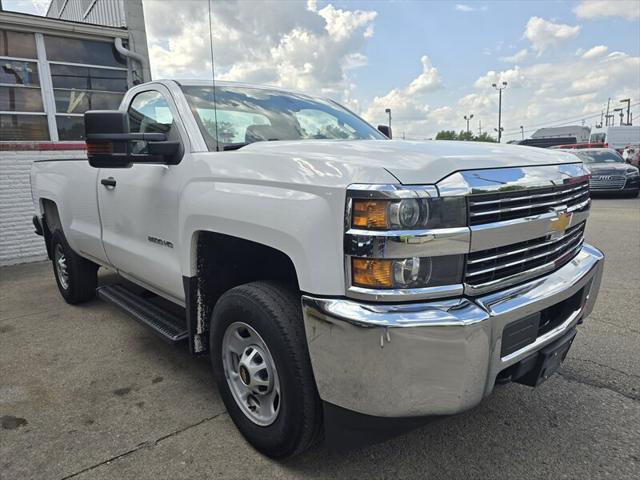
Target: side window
149 112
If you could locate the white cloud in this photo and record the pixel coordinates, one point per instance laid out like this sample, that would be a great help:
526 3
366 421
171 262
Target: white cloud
629 9
516 57
461 7
407 104
291 44
594 52
547 92
513 76
544 34
428 80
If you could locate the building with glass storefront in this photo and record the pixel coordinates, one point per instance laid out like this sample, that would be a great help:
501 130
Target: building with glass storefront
82 56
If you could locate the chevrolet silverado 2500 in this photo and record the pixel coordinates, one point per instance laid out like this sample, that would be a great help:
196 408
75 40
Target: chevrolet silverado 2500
330 273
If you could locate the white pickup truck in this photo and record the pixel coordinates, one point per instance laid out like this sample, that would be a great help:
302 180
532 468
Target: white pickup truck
340 281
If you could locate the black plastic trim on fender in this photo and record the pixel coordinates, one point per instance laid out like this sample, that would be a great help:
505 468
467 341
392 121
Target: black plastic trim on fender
38 226
345 429
190 285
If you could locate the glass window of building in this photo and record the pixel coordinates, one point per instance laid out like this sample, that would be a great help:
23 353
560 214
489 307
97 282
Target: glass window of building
86 75
22 113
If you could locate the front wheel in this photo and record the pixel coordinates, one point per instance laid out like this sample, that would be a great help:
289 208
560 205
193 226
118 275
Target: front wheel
262 367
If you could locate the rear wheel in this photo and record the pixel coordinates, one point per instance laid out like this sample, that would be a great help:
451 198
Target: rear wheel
262 367
77 277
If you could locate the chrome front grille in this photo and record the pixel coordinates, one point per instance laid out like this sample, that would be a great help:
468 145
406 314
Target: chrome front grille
496 207
488 269
607 182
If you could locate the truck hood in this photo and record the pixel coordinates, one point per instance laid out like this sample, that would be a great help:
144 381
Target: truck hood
409 162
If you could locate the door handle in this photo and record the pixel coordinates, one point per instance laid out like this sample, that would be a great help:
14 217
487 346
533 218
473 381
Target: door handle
108 182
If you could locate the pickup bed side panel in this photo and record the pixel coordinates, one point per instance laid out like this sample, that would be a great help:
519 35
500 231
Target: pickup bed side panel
71 184
306 226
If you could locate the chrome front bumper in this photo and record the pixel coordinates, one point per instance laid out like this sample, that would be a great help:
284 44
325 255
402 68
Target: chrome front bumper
436 357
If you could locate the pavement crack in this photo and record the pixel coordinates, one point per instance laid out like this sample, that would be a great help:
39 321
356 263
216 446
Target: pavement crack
143 445
595 384
621 327
588 360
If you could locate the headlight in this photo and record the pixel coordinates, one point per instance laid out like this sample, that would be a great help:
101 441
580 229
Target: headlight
400 273
404 242
632 172
408 213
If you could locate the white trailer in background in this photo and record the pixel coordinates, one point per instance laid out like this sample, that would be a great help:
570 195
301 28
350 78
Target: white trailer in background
623 135
580 133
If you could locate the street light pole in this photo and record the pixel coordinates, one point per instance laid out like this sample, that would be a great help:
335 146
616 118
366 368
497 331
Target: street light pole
499 88
468 119
388 111
522 131
621 115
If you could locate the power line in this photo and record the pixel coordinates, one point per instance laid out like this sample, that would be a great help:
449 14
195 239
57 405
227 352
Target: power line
562 122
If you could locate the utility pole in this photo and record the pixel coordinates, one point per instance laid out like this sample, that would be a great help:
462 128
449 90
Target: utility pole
468 119
621 115
522 131
628 102
499 88
607 116
388 111
479 127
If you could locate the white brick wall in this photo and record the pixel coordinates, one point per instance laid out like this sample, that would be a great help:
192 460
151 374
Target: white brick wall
18 243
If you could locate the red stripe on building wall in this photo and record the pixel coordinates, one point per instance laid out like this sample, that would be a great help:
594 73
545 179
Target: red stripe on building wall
41 146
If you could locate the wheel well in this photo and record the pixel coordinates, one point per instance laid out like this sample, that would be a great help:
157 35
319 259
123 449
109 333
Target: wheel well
224 262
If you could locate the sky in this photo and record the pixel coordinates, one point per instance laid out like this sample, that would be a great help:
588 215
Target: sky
431 62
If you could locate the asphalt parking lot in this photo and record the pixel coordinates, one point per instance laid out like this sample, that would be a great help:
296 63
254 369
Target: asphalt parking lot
86 392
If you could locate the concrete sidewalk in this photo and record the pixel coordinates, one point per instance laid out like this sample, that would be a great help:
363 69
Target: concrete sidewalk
86 392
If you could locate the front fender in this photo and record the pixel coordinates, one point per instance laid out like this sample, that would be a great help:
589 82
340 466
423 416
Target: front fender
302 221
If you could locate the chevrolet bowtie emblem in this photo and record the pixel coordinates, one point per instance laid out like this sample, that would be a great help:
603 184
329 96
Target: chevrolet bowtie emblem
560 223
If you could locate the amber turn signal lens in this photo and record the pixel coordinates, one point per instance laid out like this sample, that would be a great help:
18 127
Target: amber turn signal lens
369 214
99 148
371 273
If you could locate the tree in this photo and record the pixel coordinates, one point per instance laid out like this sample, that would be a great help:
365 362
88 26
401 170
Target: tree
484 137
464 136
447 135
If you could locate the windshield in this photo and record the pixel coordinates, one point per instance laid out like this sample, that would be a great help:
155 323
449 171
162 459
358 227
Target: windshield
247 115
600 157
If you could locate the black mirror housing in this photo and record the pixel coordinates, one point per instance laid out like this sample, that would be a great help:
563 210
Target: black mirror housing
385 130
109 141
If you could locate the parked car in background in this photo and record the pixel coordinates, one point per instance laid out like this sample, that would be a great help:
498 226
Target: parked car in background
609 172
631 154
579 146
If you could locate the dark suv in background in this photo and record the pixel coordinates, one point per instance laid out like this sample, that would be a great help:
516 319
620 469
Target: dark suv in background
610 174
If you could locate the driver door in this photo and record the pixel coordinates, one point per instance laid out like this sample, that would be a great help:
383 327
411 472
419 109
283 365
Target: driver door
139 205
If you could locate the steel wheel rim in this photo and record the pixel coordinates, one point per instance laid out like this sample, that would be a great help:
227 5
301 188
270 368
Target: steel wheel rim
62 270
251 373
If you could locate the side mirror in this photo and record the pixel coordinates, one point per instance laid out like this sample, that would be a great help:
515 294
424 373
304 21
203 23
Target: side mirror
109 142
385 130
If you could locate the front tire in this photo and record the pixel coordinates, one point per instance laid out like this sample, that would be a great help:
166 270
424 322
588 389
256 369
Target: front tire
262 368
77 277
